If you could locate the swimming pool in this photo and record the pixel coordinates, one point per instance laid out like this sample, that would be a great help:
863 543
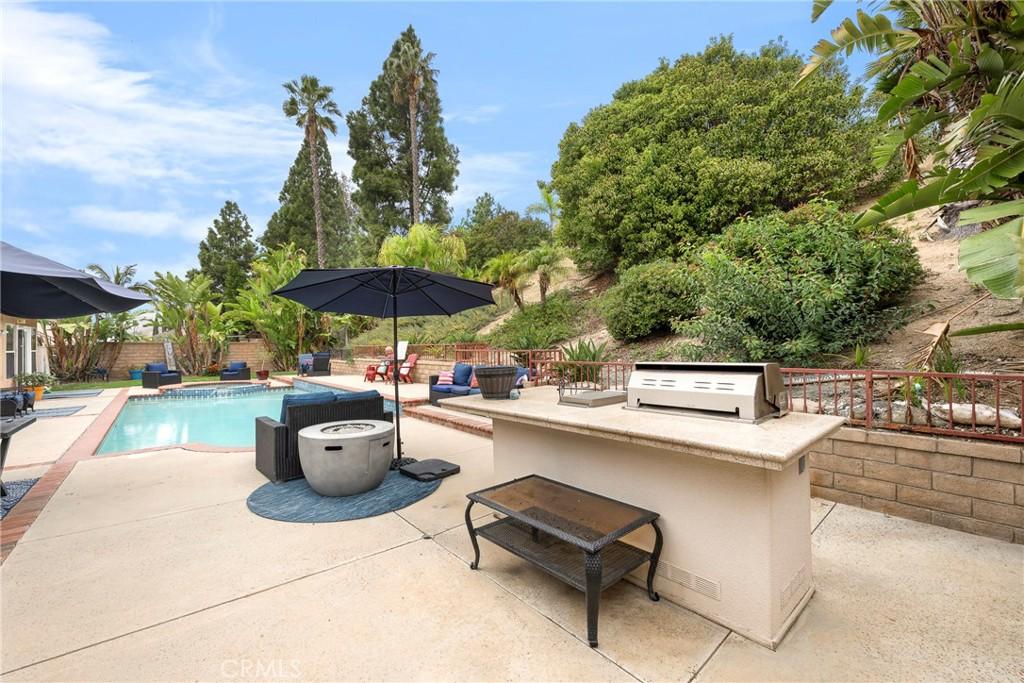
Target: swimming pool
226 420
218 417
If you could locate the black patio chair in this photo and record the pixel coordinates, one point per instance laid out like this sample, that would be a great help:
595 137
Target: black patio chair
277 444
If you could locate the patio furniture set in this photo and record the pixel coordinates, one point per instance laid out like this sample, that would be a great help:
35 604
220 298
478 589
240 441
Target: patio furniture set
461 380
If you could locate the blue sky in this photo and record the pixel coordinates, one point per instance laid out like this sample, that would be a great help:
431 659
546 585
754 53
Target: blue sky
126 126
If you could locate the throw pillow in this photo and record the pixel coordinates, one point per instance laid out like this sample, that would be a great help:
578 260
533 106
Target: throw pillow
472 382
446 377
462 373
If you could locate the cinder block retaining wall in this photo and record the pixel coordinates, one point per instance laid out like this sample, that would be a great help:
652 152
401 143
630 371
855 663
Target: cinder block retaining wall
425 367
137 354
972 486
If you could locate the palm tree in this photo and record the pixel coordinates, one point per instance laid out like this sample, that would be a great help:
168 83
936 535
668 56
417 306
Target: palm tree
506 271
310 104
548 206
548 262
408 71
124 276
426 246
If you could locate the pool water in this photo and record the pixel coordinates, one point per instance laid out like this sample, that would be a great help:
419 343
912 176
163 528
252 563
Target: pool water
215 420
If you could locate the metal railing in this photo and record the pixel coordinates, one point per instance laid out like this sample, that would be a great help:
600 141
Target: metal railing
980 406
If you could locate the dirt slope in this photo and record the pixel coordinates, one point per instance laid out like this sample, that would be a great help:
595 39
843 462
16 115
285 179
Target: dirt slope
945 291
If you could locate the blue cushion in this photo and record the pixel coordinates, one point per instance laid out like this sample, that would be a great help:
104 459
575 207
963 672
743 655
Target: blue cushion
446 388
474 390
356 395
156 367
236 365
463 373
522 374
170 373
311 398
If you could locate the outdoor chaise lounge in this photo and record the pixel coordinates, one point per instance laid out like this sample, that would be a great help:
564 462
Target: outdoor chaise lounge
157 375
277 441
235 370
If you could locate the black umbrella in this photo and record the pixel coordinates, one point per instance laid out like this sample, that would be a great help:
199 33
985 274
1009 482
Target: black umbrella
387 292
35 287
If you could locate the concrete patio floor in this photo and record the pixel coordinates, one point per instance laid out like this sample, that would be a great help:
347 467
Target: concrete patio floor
150 567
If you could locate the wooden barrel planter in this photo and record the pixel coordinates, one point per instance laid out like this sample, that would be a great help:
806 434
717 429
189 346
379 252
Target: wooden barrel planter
495 381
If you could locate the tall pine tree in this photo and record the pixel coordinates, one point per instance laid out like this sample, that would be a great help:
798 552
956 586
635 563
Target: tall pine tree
227 252
379 142
294 220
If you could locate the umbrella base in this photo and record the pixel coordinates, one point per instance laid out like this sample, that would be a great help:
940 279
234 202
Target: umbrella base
398 463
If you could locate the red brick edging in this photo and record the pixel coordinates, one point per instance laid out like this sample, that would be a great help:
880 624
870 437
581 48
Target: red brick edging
21 517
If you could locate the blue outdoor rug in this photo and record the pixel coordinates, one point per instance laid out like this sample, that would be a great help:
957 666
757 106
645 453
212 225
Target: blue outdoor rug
56 412
81 393
15 491
295 501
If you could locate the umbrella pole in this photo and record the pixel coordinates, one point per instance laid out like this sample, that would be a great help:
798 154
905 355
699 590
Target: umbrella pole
395 368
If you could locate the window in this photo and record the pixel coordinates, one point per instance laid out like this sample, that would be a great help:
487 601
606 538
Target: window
11 370
34 346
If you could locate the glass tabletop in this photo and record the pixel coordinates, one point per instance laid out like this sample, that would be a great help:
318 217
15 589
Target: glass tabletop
578 516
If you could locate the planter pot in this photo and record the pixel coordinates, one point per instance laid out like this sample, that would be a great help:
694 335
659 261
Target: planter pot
496 381
263 374
135 374
38 392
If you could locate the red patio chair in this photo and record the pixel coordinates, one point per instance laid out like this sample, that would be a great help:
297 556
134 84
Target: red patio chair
405 372
371 374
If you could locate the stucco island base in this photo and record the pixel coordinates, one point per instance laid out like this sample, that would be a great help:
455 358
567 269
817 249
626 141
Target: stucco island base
734 498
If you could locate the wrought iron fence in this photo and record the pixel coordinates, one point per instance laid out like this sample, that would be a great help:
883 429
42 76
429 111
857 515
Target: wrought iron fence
981 406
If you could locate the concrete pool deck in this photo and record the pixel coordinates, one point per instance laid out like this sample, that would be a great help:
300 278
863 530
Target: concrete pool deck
150 567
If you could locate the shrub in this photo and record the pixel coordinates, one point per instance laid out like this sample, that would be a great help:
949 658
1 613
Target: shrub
789 286
434 329
648 298
541 326
678 155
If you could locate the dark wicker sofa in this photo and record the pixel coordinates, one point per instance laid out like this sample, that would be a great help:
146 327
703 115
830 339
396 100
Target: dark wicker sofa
235 370
156 375
277 444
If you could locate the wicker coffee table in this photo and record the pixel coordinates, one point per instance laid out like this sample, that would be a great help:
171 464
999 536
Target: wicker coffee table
569 533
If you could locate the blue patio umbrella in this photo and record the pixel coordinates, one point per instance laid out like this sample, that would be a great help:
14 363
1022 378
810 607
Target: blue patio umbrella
387 292
33 286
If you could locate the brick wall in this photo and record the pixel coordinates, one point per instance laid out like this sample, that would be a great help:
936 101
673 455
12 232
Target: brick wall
972 486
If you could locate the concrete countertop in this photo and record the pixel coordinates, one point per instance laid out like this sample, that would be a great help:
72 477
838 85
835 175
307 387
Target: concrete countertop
772 444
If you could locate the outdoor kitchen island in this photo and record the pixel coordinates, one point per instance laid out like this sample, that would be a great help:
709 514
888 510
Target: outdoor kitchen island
734 497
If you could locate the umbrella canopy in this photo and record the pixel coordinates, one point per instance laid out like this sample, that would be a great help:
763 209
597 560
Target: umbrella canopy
387 292
36 287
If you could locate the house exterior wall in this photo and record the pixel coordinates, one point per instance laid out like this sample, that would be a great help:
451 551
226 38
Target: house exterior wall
9 327
972 486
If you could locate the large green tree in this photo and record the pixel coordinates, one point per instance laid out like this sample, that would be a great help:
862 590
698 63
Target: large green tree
489 229
678 155
405 167
294 222
226 255
310 104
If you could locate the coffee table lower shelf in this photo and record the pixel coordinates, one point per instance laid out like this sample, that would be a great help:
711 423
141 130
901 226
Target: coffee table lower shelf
562 560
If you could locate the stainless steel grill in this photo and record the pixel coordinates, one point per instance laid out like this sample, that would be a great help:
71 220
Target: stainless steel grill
745 392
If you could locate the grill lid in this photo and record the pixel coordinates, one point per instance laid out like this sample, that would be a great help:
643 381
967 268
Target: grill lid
749 392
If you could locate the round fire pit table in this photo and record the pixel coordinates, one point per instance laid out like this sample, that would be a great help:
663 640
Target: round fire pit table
346 458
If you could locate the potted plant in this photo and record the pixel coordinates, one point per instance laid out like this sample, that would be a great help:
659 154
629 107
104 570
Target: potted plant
35 381
262 374
135 371
496 381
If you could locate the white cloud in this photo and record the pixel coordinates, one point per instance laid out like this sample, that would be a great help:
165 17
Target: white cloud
137 222
68 103
498 173
484 112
